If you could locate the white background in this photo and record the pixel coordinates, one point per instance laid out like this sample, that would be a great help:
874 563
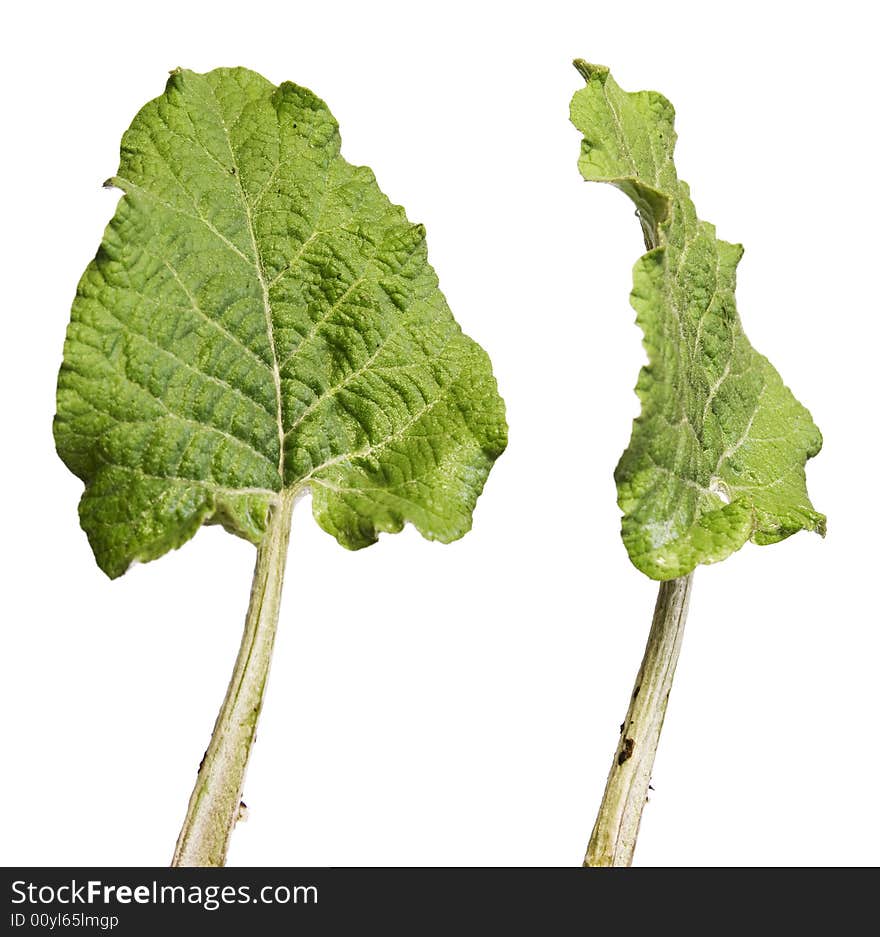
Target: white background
446 705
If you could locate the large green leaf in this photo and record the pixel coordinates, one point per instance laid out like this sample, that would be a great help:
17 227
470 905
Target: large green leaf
717 455
259 316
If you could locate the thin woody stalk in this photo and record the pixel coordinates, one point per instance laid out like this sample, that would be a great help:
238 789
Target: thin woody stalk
215 801
617 826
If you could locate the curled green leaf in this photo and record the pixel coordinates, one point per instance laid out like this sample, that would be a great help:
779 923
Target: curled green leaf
717 455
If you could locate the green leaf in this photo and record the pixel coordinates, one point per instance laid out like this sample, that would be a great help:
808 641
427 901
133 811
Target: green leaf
717 455
260 317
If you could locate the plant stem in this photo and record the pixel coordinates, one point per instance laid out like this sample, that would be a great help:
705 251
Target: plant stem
617 826
216 798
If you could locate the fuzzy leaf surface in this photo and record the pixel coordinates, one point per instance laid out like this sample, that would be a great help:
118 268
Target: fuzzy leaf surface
260 317
717 455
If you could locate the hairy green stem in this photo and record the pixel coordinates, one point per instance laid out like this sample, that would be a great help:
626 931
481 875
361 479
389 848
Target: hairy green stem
216 798
617 826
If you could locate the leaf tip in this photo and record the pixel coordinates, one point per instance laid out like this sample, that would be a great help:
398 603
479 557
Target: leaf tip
589 71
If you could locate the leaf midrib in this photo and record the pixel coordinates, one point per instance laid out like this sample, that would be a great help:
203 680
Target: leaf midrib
261 277
661 238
